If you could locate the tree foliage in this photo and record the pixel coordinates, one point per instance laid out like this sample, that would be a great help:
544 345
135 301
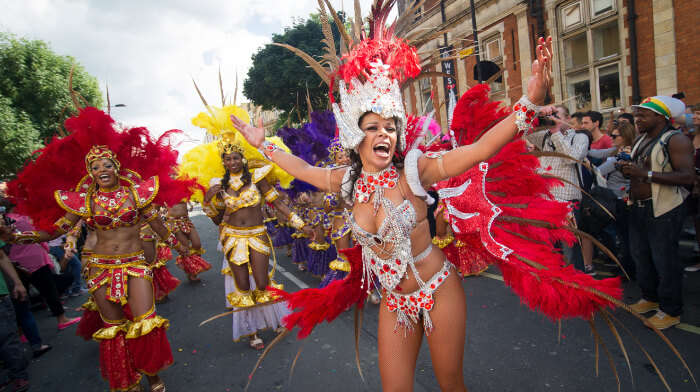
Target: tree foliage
278 78
34 97
35 79
18 138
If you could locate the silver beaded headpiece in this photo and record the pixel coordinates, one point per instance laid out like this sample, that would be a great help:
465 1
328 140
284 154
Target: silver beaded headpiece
380 94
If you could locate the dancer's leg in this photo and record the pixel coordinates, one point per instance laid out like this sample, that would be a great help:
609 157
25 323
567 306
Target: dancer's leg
398 351
446 340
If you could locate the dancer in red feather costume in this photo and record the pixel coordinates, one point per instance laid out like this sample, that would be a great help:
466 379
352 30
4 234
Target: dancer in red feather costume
496 205
113 199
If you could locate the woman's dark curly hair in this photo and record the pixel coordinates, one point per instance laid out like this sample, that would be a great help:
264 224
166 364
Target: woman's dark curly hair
356 163
245 176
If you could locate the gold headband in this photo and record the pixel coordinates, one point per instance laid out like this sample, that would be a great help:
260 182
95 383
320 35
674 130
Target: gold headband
101 152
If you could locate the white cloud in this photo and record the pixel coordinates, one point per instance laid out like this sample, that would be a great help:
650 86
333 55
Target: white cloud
148 51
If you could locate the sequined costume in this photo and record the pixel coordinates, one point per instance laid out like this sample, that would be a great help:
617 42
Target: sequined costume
164 282
237 241
322 251
457 252
46 191
194 264
300 245
340 266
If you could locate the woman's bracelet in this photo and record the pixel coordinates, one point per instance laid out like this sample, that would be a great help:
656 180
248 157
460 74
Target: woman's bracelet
295 221
525 114
25 237
267 148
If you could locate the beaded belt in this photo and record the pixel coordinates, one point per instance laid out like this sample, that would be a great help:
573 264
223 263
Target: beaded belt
115 272
409 307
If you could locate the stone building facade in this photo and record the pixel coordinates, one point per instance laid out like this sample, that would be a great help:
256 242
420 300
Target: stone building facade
594 49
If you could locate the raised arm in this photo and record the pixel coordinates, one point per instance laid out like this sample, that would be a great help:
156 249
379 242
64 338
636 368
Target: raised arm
463 158
328 180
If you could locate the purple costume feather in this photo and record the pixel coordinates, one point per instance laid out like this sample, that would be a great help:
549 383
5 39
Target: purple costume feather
310 143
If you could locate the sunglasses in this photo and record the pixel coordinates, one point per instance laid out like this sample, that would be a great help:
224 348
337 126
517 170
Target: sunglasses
614 136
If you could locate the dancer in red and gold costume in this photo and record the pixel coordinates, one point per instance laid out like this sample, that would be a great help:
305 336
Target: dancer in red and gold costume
179 222
113 200
157 254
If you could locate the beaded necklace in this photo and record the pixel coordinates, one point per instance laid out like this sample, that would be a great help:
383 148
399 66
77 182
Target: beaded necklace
369 183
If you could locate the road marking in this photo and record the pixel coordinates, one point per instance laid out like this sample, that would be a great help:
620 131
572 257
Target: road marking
689 328
492 276
291 277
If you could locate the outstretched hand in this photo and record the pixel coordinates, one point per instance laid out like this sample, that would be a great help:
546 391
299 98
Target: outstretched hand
541 78
254 136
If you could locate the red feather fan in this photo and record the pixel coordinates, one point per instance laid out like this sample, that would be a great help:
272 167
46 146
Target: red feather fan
61 165
504 213
313 306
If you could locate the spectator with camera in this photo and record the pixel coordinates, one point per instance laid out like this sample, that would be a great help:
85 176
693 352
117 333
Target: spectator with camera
562 138
660 169
617 187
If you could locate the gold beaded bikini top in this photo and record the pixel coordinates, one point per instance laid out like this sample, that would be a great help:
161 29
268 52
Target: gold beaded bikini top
247 198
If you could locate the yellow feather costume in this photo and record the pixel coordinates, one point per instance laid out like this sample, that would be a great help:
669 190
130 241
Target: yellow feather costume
204 162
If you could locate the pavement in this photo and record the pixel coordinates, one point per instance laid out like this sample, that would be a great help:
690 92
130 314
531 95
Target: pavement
508 348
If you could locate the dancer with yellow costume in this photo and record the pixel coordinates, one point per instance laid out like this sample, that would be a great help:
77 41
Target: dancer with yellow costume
234 203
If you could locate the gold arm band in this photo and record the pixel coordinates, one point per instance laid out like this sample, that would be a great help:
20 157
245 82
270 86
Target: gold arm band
271 195
26 237
63 224
295 221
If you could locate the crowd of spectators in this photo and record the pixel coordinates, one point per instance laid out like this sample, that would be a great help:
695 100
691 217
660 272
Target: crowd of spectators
632 186
32 277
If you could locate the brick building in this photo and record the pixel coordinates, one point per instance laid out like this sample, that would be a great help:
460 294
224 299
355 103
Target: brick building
597 45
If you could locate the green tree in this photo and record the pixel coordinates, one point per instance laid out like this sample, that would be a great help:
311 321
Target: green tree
35 80
278 78
34 97
18 138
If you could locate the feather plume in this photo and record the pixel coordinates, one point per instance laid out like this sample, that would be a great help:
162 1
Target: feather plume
60 165
313 306
320 70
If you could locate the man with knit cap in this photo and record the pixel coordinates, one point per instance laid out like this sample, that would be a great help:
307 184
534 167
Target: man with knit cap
660 170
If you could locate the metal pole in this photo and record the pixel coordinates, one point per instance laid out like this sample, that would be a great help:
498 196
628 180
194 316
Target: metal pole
444 19
476 42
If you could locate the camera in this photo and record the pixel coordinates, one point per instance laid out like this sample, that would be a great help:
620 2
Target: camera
545 121
623 156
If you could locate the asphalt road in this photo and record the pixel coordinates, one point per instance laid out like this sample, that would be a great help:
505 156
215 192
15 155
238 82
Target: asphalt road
509 347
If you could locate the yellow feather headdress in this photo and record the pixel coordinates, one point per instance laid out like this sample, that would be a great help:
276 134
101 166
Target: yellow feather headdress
204 162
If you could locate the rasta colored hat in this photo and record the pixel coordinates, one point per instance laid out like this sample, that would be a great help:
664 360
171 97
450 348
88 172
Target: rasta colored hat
663 105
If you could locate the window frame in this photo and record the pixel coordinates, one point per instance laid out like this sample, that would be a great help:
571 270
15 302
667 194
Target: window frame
496 88
590 23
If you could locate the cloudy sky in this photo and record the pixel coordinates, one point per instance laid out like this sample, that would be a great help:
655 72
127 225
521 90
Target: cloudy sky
147 51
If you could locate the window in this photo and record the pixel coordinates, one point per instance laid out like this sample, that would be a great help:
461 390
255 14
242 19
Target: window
600 7
492 52
606 41
579 86
571 16
590 43
609 86
576 51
